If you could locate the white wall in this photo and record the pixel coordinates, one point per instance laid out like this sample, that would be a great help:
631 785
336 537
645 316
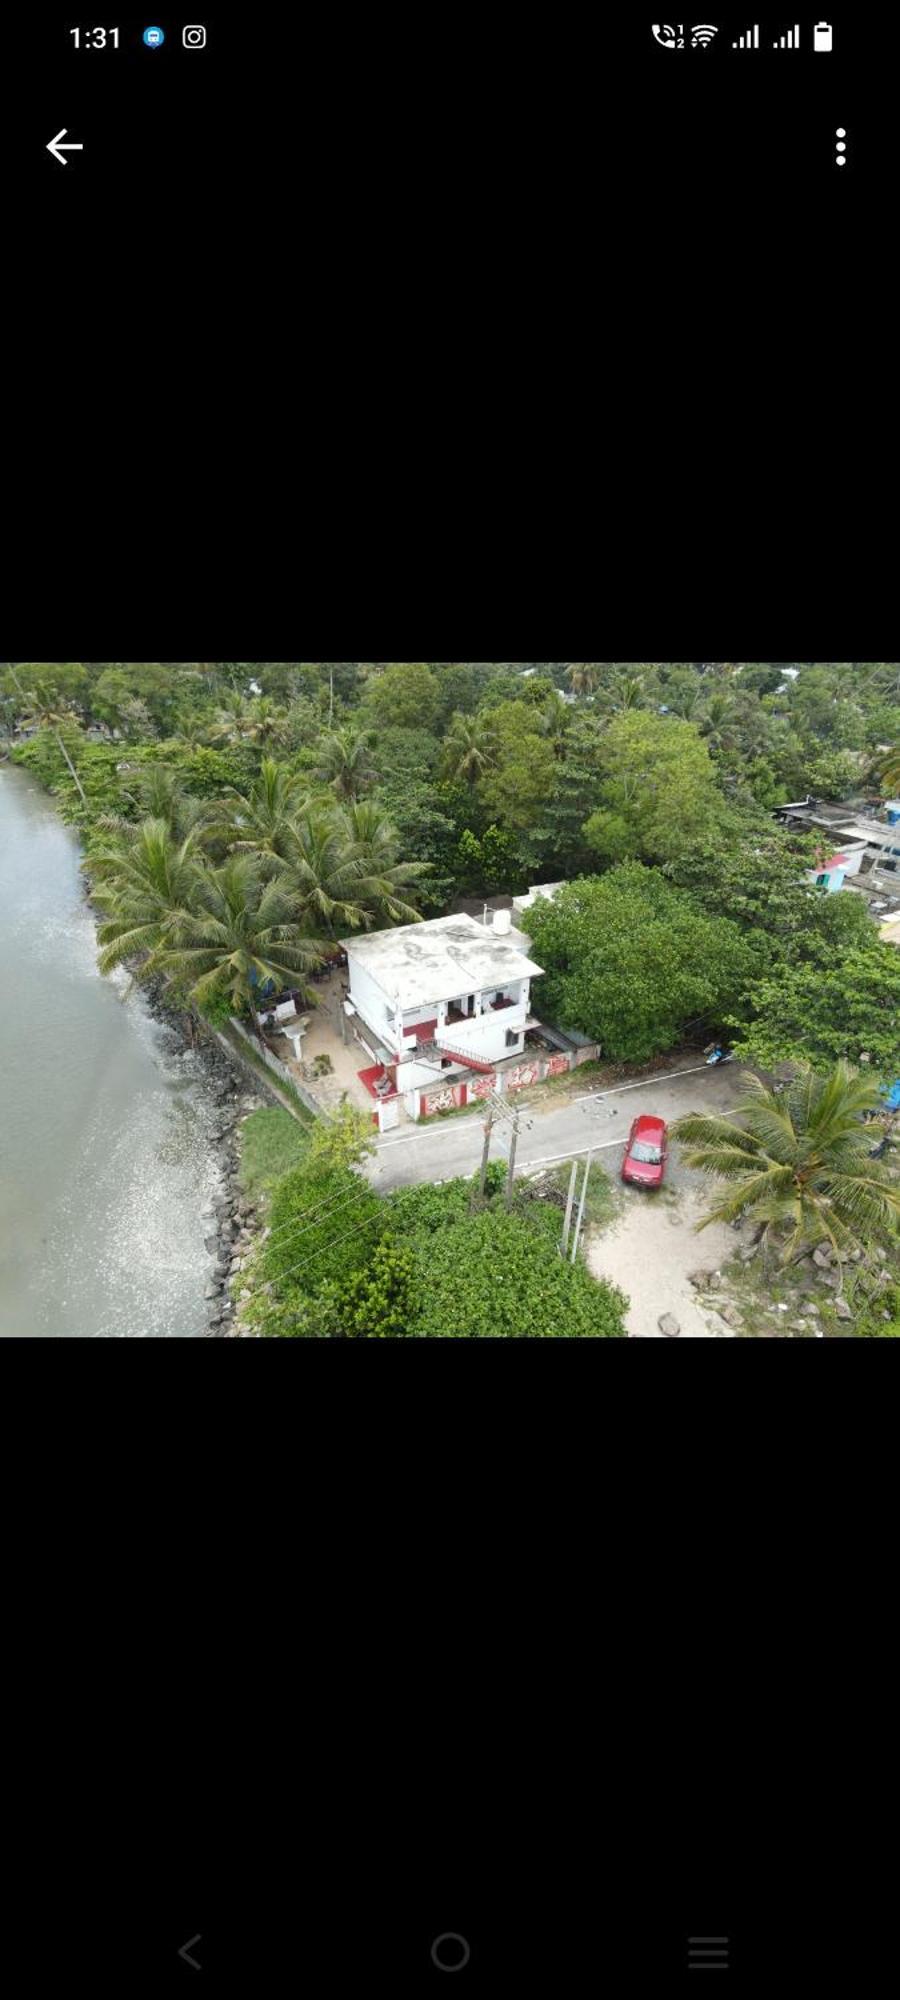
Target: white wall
371 1002
486 1037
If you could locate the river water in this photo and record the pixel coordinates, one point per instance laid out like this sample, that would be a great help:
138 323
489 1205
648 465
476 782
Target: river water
105 1158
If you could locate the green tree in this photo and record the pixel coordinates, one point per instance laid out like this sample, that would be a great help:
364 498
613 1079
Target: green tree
239 933
47 711
832 1006
146 885
325 1223
344 1139
631 961
379 1302
406 694
345 761
583 676
428 832
657 782
385 883
798 1164
469 750
520 782
261 819
494 1275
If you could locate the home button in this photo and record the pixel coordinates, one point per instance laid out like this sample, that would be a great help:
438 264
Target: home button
450 1952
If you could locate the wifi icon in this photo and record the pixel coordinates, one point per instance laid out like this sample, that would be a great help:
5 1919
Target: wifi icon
702 35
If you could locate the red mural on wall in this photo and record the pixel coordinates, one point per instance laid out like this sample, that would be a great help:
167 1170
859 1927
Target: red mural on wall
450 1098
518 1079
481 1086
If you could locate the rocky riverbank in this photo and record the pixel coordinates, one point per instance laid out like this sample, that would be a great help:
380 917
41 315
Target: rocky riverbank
230 1219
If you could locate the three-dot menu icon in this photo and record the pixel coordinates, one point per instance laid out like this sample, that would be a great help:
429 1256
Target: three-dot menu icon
840 146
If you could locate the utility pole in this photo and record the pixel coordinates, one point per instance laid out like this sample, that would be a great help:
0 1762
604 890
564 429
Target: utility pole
486 1153
568 1220
514 1140
587 1175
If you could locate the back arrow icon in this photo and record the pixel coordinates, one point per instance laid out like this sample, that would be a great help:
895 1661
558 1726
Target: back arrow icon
185 1952
59 151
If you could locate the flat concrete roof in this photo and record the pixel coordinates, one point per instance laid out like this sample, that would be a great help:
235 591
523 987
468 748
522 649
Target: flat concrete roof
440 960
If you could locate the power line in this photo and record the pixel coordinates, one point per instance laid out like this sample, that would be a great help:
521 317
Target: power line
309 1216
271 1283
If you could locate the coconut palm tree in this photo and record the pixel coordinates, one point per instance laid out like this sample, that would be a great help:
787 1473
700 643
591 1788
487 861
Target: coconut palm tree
622 693
265 724
321 875
192 728
230 721
890 771
155 791
683 701
718 722
468 750
262 819
345 762
239 934
583 676
799 1164
383 880
46 713
146 883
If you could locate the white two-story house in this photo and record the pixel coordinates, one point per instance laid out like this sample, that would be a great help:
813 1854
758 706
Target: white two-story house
436 1000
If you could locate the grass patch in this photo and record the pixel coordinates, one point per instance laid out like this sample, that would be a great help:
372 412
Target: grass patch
604 1195
272 1143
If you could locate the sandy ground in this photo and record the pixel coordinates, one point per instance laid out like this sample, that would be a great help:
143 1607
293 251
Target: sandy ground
649 1253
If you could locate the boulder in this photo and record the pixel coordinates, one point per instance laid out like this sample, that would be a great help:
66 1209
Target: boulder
701 1280
730 1315
842 1309
211 1244
213 1289
746 1251
669 1325
822 1257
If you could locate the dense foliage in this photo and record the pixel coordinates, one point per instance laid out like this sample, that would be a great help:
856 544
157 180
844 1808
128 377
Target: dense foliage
380 791
427 1263
630 961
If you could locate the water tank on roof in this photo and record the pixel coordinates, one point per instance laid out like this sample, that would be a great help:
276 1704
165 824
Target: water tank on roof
502 923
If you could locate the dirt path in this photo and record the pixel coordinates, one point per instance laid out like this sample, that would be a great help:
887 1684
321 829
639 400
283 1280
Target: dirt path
649 1252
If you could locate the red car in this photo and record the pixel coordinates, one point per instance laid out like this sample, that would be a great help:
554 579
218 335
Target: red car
646 1153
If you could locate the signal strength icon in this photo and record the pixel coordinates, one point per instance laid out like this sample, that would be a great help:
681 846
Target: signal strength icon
748 41
789 41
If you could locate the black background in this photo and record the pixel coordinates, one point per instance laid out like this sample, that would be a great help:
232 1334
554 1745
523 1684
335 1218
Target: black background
463 305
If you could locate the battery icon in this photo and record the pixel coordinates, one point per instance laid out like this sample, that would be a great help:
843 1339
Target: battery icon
822 36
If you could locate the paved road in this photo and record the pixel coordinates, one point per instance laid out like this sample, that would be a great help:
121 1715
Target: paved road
443 1150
